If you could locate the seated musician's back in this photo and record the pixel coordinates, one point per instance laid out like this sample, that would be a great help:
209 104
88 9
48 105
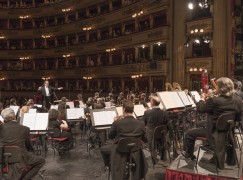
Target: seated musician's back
14 134
124 127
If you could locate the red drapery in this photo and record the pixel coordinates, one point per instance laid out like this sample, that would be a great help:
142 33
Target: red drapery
179 175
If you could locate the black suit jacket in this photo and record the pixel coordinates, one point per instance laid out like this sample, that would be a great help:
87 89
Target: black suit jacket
219 105
127 127
12 133
43 92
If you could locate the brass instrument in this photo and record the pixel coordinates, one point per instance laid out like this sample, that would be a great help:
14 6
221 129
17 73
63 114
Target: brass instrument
168 87
176 86
214 83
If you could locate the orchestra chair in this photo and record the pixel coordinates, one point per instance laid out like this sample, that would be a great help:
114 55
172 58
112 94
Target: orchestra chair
238 133
37 143
94 139
159 142
56 143
128 146
225 123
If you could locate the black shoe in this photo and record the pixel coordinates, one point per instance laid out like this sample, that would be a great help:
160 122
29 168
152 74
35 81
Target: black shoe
188 156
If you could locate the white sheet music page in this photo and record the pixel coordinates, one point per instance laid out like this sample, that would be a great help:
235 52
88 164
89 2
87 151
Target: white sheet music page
29 120
107 104
104 117
184 98
1 118
119 111
196 95
32 111
149 105
38 105
54 107
15 108
190 99
170 99
81 104
71 104
79 112
139 110
41 121
75 113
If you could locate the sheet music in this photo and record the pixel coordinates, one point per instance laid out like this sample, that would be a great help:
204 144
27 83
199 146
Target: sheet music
75 113
15 108
190 99
103 117
170 99
29 120
81 104
149 105
54 107
184 98
32 111
139 110
71 104
107 104
38 105
119 111
1 118
196 95
41 121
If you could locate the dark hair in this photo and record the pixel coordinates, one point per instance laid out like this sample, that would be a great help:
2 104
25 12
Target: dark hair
128 106
53 115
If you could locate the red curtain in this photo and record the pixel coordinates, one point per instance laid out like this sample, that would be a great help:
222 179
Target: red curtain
179 175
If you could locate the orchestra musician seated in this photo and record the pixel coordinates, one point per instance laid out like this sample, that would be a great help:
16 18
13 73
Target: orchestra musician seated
63 104
14 134
58 127
154 117
224 102
124 127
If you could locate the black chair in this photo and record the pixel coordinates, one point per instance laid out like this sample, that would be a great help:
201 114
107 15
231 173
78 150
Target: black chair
159 141
224 124
9 155
129 146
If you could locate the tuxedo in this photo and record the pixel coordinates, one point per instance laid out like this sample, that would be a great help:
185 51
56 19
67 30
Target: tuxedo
154 117
14 134
215 107
126 127
47 95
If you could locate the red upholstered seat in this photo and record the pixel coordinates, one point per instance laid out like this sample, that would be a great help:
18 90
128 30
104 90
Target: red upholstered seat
33 139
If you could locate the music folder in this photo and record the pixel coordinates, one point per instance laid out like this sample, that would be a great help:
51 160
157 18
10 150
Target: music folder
103 117
36 121
75 113
170 100
15 108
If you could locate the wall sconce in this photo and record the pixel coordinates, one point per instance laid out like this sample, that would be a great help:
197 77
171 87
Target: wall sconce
66 10
24 17
24 58
2 37
66 55
136 76
137 14
46 36
44 78
2 79
110 50
87 77
87 28
194 69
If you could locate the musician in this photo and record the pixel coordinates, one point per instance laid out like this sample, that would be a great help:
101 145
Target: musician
120 98
47 94
62 104
154 117
225 102
238 86
99 104
14 134
128 126
13 102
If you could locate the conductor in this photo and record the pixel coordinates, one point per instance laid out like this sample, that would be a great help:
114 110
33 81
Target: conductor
47 93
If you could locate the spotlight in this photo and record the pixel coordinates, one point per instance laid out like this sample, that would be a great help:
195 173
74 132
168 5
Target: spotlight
196 30
190 6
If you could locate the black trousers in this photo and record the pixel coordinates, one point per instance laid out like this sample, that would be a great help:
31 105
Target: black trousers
190 138
105 152
34 163
47 101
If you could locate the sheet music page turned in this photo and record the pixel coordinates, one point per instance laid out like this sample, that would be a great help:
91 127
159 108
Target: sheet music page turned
139 110
29 120
41 121
104 117
170 100
75 113
184 98
15 108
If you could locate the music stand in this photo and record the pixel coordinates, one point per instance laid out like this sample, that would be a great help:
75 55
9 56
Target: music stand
195 95
184 98
36 121
170 100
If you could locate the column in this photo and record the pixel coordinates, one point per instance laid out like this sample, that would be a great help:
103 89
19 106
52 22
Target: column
151 51
178 48
99 83
98 59
56 64
77 61
122 84
151 21
110 59
123 56
87 84
136 53
33 65
220 43
110 84
77 84
21 23
150 84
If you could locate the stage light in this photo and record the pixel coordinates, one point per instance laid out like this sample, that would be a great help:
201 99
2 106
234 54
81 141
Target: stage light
191 69
196 30
190 6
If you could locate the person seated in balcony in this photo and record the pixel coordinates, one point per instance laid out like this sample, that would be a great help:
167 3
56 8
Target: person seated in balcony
14 134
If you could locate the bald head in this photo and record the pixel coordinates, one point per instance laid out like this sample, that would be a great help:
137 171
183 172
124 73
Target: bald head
155 101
